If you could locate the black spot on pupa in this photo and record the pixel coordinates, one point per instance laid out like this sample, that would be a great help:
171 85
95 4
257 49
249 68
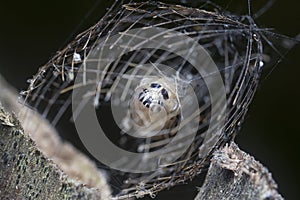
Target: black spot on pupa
155 85
147 102
165 94
142 95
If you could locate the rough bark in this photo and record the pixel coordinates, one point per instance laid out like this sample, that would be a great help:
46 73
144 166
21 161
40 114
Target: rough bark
25 173
34 161
234 174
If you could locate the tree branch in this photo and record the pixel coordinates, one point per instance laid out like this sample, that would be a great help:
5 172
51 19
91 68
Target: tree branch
234 174
26 173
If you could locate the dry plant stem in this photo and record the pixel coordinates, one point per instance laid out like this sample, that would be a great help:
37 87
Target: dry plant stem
46 142
25 173
234 174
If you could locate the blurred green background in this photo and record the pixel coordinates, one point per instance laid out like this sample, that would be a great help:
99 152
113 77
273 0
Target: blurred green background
32 31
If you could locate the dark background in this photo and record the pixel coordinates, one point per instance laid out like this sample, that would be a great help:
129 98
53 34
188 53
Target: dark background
32 31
